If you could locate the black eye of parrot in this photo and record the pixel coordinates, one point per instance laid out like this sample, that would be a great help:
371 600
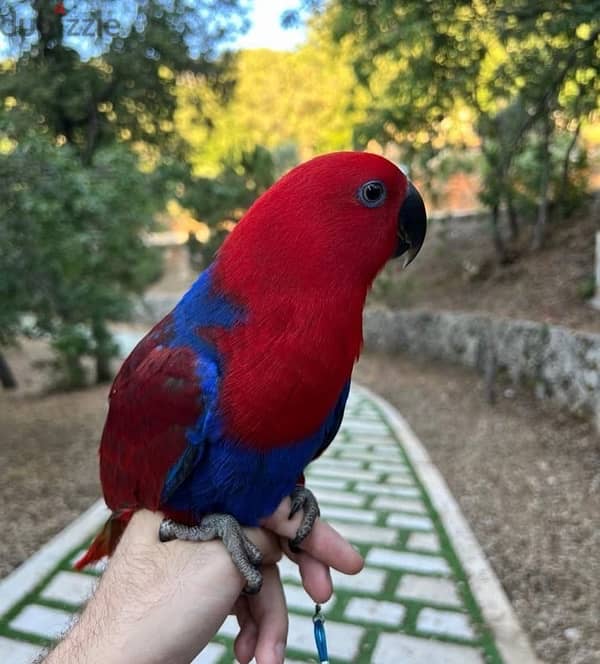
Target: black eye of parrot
372 194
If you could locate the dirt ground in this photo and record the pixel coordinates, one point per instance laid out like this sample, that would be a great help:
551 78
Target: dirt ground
457 270
526 476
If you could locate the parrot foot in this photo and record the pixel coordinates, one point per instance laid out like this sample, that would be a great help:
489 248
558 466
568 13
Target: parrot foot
245 554
303 499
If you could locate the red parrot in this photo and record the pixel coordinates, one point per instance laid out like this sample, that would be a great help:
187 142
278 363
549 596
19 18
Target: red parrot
218 410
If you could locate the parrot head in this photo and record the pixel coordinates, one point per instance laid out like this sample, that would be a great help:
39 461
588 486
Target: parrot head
343 213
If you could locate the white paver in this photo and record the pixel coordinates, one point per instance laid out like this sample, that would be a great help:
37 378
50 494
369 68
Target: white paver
413 562
362 455
17 652
391 467
410 522
363 534
333 462
429 590
343 473
297 598
385 490
373 611
210 655
229 628
324 483
70 587
342 640
337 497
401 480
424 541
356 426
369 580
396 648
348 514
393 504
445 623
99 566
42 620
288 570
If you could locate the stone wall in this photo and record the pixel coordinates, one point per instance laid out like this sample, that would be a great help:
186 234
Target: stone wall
555 361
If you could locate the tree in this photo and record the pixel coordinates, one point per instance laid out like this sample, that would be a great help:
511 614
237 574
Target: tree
521 67
87 131
72 248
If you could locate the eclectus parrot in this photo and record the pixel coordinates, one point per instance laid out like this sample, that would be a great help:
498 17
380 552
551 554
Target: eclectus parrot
218 410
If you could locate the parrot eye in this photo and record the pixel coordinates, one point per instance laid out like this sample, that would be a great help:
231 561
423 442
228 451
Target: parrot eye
372 193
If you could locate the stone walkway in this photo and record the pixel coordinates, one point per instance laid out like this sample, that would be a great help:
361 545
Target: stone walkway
426 595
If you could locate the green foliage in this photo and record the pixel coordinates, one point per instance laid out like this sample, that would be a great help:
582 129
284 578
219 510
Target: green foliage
222 200
117 86
523 69
71 245
81 115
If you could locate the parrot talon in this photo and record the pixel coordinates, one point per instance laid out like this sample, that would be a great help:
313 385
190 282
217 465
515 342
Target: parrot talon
245 554
303 499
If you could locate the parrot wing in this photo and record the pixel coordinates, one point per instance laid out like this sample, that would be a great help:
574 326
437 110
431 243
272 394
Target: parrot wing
155 400
335 420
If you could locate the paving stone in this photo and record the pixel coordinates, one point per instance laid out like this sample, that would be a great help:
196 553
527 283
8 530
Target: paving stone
363 426
348 514
386 490
391 467
343 473
288 570
229 628
297 599
402 480
343 640
445 623
210 655
428 589
368 580
414 562
18 652
338 497
376 442
70 587
362 455
410 522
372 611
334 462
396 648
363 534
384 451
325 483
394 504
42 620
424 541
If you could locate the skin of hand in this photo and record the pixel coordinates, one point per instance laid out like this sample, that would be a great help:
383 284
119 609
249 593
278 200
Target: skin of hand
163 602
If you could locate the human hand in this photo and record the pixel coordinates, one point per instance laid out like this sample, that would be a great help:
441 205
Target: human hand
163 602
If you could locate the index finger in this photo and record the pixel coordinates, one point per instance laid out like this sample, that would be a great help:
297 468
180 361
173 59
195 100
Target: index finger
324 542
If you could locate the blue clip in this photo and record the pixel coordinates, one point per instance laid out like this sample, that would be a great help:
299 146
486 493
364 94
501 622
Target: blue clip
320 637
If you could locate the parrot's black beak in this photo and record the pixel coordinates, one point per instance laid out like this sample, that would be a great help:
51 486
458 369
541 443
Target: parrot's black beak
412 225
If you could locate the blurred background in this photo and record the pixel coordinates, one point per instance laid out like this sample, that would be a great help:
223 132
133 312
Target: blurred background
134 135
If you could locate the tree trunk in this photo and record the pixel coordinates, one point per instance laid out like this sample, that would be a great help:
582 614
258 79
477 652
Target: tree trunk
564 180
103 351
499 245
7 377
513 220
539 231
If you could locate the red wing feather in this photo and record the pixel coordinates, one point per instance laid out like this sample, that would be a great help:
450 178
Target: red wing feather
154 399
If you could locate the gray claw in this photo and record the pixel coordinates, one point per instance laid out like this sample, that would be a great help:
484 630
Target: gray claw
244 553
303 499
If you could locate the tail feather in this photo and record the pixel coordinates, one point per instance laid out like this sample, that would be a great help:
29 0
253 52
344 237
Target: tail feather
106 540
